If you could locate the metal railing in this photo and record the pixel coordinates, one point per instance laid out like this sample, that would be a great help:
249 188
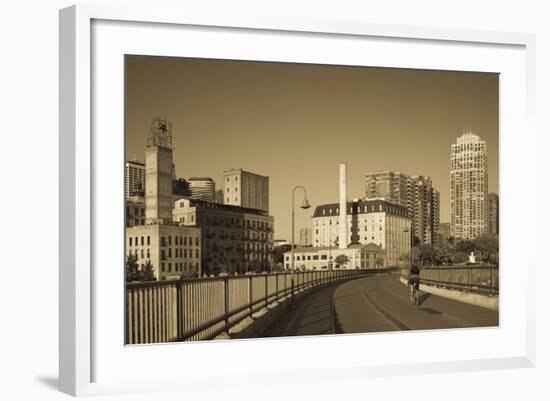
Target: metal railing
202 308
483 279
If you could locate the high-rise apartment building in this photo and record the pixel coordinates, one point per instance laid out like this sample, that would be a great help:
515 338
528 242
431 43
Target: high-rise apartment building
134 178
202 188
492 210
469 186
416 193
245 189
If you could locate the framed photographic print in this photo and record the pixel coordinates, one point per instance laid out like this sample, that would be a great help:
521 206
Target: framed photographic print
254 192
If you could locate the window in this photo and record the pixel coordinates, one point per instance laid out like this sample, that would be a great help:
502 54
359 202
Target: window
169 240
196 253
142 240
130 241
197 241
148 240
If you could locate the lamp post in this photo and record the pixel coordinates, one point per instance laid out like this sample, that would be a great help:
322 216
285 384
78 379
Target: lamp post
305 205
406 230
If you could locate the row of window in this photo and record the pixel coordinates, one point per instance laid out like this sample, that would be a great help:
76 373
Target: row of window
178 267
178 240
178 253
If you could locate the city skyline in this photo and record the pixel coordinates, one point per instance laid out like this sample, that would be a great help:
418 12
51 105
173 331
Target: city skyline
294 123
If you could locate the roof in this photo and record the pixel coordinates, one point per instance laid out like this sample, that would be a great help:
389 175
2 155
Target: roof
361 207
335 249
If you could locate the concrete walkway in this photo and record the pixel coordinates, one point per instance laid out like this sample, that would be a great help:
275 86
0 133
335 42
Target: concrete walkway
375 304
312 315
381 303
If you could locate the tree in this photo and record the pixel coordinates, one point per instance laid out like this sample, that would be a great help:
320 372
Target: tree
131 269
147 272
487 245
426 254
465 246
341 260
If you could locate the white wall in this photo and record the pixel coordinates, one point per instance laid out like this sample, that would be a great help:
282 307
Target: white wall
29 96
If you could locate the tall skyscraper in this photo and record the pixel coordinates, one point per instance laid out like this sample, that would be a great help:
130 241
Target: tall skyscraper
469 186
246 189
202 188
135 178
416 193
492 210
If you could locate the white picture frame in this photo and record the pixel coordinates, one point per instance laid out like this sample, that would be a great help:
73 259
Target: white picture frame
83 338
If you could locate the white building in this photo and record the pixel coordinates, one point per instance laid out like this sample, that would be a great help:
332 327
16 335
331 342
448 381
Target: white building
367 222
369 256
469 187
245 189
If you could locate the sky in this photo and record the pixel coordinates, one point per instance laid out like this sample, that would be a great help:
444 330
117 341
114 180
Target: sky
296 122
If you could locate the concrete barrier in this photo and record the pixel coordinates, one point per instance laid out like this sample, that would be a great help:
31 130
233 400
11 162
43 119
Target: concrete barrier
485 301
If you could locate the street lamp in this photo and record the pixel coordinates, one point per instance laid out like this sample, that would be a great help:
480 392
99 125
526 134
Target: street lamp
406 230
305 205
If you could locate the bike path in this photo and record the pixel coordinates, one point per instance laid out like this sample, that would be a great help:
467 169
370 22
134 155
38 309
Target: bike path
382 303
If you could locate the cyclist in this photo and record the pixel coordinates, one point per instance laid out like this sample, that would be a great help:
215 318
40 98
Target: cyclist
414 276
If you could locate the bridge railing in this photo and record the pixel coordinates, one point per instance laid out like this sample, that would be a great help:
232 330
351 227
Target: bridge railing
202 308
482 279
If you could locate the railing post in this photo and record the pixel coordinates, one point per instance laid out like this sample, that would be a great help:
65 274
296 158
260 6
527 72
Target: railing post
492 280
469 279
226 293
250 293
266 290
277 287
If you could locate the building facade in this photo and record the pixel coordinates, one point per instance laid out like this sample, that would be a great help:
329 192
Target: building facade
134 178
234 239
245 189
469 187
174 250
444 233
305 237
416 193
135 211
492 210
368 256
376 222
202 188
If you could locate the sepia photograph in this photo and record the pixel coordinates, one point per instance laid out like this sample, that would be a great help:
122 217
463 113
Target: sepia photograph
271 199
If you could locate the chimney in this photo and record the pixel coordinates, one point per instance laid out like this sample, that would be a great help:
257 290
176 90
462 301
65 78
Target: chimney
343 216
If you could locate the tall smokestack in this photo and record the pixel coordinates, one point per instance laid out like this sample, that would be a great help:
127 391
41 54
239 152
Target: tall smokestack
343 216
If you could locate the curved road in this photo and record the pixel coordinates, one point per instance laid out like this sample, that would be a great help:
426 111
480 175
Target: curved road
374 304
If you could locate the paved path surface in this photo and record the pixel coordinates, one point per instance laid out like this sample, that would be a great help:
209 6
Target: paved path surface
312 315
375 304
381 303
